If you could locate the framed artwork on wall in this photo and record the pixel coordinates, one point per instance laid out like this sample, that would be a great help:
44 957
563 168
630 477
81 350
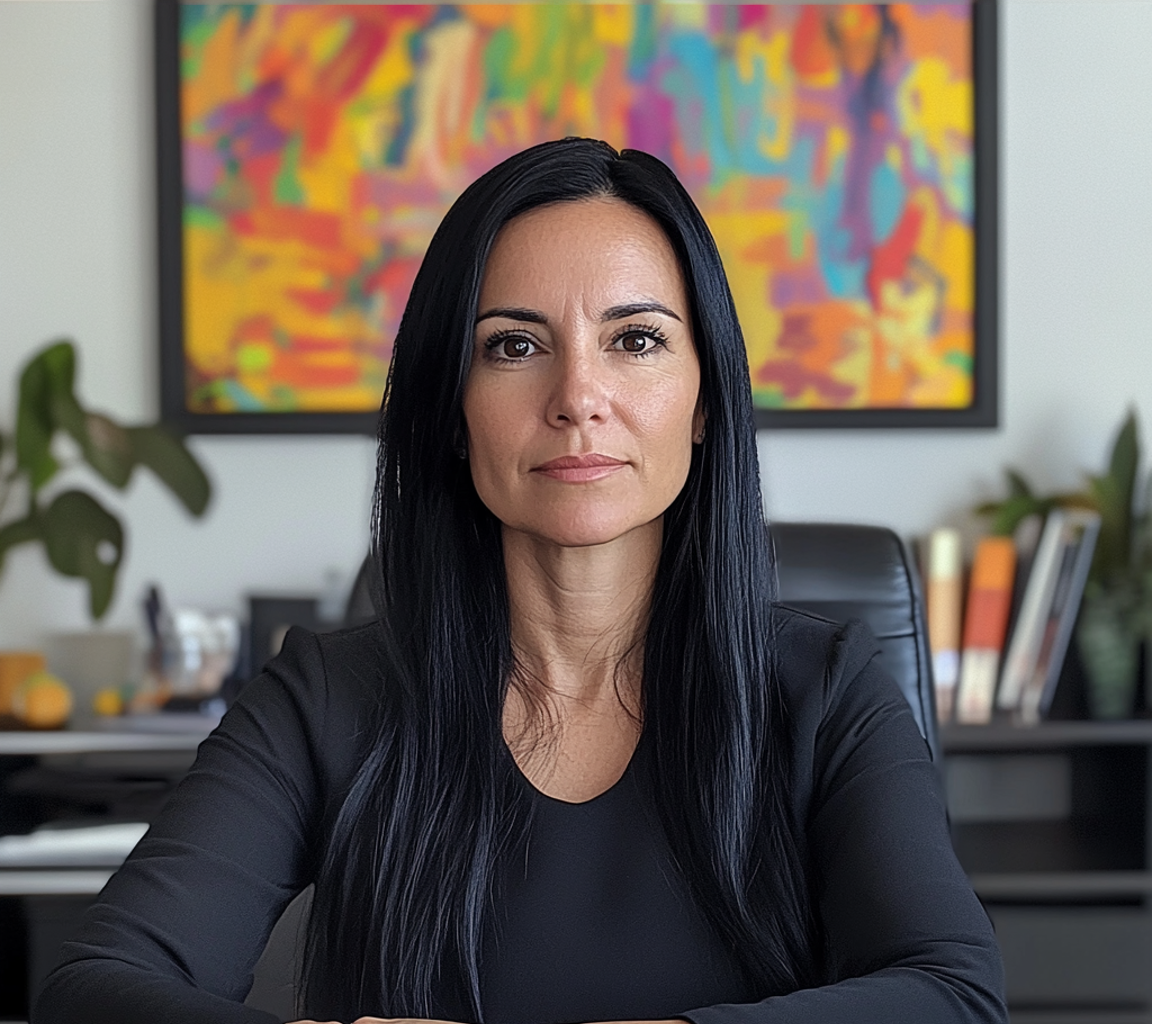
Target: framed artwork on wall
844 156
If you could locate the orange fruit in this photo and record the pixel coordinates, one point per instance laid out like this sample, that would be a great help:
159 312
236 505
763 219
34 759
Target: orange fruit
108 702
42 701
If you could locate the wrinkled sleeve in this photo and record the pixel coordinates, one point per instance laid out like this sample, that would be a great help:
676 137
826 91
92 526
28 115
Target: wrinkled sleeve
907 940
176 932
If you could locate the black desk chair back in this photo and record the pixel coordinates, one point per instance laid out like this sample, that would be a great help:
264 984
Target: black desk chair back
843 571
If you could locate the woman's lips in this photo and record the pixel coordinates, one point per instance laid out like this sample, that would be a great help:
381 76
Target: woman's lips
580 468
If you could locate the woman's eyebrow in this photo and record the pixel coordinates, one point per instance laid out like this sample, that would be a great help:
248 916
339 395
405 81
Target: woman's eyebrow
632 308
534 316
528 316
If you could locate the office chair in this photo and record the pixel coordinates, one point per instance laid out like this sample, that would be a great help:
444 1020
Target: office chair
843 571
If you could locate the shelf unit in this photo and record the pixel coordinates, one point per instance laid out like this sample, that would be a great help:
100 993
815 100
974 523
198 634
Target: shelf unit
51 774
1053 825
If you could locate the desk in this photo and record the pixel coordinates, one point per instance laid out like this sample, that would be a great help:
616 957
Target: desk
40 903
66 741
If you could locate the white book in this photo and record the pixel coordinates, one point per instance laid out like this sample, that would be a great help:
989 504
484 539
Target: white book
1081 529
1028 634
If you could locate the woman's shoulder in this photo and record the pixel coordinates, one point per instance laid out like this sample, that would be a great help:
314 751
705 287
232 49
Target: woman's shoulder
844 712
328 685
343 667
816 659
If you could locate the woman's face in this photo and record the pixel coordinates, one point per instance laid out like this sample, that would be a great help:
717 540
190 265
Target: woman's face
583 398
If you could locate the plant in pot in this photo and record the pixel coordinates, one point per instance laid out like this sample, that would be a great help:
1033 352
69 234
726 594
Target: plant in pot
81 537
1115 619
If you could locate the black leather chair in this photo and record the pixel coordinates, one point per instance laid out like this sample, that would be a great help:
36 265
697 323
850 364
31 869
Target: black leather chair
844 571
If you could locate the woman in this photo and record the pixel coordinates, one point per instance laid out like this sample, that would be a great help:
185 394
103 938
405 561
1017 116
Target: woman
581 769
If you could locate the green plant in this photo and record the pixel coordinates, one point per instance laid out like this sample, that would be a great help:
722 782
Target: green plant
1116 615
1123 532
80 536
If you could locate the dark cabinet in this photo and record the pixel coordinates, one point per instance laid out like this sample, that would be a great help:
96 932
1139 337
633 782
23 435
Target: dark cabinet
1052 825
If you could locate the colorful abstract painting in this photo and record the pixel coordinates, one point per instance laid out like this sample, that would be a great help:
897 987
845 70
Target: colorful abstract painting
830 148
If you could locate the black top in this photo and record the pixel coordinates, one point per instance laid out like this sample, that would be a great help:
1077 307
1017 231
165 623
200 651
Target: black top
596 923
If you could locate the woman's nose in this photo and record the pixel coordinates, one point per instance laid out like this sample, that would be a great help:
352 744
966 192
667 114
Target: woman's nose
580 391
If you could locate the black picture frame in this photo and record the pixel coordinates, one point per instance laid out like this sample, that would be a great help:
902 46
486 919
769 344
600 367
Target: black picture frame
983 412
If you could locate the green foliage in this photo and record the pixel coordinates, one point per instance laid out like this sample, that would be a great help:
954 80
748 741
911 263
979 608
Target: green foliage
1113 496
81 537
1124 536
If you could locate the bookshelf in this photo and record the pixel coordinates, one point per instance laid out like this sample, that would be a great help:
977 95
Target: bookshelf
1053 824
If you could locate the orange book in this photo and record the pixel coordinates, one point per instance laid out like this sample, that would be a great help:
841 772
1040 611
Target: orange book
985 628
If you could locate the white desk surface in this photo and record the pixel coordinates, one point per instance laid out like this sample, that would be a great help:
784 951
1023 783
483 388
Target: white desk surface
64 882
66 741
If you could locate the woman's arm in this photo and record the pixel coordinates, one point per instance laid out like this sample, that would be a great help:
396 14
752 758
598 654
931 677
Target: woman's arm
176 932
907 940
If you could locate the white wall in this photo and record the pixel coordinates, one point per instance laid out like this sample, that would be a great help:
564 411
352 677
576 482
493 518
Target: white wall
77 257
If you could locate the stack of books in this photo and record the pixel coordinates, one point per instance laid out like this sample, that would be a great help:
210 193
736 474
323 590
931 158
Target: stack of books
999 648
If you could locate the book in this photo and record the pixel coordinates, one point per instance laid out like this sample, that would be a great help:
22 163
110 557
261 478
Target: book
1026 537
985 628
1081 528
945 594
1028 632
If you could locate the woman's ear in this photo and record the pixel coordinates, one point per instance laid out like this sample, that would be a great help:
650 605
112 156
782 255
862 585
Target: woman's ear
699 417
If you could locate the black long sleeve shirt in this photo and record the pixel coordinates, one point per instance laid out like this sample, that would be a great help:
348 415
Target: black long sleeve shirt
596 923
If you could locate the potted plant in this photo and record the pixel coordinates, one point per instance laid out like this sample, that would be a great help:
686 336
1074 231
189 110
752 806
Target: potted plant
81 537
1115 619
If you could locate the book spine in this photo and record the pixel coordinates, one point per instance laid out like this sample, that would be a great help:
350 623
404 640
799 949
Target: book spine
1028 635
1081 532
985 627
1026 538
1030 697
945 592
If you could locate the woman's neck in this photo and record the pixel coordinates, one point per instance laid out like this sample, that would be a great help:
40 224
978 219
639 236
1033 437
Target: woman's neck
573 712
578 615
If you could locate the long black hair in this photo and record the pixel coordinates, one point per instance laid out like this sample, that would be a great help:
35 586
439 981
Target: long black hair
407 877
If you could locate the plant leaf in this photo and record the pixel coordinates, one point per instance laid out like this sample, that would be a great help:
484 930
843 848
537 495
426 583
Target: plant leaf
1018 487
1006 515
107 448
1125 455
1114 494
165 454
50 372
102 442
84 539
19 531
1076 499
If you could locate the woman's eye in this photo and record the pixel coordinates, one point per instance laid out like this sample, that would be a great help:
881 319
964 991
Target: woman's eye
636 342
515 347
